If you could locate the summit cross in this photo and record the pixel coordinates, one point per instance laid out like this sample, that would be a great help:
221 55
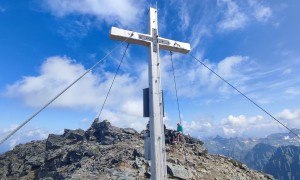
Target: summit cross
154 42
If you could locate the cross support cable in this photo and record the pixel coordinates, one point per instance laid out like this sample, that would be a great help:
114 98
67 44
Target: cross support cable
154 42
59 94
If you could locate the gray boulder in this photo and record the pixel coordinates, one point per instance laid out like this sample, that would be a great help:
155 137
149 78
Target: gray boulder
129 131
106 134
76 135
177 171
54 141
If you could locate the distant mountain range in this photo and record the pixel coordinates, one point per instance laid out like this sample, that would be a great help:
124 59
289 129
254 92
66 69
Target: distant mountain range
285 163
277 154
259 156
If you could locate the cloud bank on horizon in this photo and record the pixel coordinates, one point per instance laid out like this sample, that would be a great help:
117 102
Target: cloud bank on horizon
223 33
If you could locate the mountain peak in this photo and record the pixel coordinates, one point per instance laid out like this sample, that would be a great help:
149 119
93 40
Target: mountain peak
108 152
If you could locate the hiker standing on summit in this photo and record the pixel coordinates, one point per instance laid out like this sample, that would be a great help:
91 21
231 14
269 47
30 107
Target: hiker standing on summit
179 128
179 132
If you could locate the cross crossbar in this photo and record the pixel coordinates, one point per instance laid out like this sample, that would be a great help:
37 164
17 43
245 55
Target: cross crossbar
146 39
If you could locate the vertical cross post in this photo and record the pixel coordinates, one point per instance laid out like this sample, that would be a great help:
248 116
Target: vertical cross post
154 42
157 138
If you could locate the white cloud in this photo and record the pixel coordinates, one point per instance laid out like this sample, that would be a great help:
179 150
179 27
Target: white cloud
233 18
125 12
74 29
199 77
287 71
124 104
236 14
198 32
227 66
292 91
244 126
260 125
290 117
85 120
198 127
21 136
184 16
9 129
39 133
261 12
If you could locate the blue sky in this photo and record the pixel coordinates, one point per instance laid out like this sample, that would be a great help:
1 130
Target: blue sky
45 45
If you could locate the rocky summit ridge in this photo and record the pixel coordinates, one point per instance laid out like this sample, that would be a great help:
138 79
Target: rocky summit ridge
108 152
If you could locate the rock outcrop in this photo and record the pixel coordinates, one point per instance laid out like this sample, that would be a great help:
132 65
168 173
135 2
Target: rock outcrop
108 152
